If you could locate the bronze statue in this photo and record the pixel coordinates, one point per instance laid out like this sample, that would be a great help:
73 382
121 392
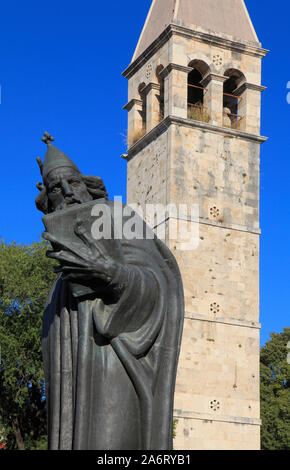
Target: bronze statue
112 325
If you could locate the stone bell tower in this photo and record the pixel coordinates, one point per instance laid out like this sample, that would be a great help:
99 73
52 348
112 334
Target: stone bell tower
194 138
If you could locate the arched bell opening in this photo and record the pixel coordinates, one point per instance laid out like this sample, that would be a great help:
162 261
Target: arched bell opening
196 91
232 98
160 80
142 95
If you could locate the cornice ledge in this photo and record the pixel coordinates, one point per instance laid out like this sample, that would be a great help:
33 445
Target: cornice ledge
249 86
213 77
220 418
210 223
131 103
169 120
172 66
189 33
157 44
238 46
147 138
223 320
151 86
217 129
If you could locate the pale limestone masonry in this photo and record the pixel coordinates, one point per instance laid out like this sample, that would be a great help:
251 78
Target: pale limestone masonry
214 163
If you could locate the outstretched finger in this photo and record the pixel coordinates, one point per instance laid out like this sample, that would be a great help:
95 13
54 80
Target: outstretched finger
65 257
75 277
73 269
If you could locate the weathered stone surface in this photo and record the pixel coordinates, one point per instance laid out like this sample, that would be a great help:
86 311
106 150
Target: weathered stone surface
217 391
225 17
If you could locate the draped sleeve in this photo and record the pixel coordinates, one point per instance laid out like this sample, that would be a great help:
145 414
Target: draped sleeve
110 368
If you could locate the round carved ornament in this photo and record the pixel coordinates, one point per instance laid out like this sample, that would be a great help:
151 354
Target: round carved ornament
214 212
217 60
214 308
148 70
215 405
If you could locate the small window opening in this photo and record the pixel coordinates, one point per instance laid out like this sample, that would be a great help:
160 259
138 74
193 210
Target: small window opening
196 108
142 94
161 95
139 129
231 100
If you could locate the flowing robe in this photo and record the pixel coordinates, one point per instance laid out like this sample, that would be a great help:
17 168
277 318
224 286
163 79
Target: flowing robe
110 369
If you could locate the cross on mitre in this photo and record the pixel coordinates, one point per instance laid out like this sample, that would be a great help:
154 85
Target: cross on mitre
47 138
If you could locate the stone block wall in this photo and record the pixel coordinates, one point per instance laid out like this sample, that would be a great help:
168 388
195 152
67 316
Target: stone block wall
186 162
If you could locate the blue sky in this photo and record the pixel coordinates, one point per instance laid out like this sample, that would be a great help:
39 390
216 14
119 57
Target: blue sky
60 70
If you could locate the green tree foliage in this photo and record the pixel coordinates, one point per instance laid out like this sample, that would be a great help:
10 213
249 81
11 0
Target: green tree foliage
275 392
26 276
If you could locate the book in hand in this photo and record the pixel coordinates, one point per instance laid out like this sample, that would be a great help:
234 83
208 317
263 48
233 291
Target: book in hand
61 225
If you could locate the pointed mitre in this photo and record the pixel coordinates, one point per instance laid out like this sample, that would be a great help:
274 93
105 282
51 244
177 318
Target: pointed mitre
54 158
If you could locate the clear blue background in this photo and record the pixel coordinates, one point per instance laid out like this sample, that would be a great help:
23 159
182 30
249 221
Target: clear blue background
60 70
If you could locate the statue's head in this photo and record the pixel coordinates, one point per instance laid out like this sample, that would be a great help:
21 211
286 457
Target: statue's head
63 184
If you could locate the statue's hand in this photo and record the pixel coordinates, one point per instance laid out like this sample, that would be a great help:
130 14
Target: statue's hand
92 263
